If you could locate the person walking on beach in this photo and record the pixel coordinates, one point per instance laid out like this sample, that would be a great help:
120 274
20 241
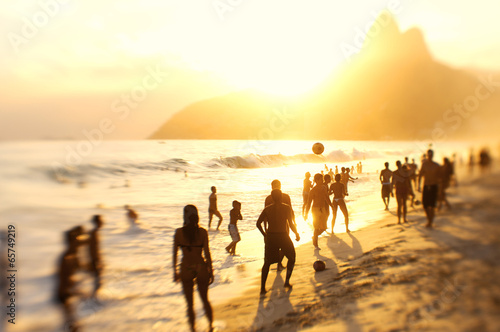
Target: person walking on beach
234 216
320 205
446 175
278 217
401 181
385 180
336 170
196 263
68 266
212 208
337 188
430 171
305 191
96 264
276 184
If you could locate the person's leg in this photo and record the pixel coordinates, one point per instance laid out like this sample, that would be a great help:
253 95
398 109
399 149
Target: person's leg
210 216
405 209
334 215
263 279
289 251
230 247
343 208
217 213
400 205
429 211
202 282
280 264
187 287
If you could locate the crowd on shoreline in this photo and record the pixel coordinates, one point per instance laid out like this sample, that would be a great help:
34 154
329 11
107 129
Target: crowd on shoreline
274 223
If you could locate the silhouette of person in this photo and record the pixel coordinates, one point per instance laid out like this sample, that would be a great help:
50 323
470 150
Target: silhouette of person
401 181
234 216
212 208
196 263
385 180
336 170
348 178
132 216
96 263
484 160
276 184
446 175
320 207
305 191
278 217
430 171
337 188
67 268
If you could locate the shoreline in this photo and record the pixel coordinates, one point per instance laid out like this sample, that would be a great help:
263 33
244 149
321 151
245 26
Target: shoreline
388 276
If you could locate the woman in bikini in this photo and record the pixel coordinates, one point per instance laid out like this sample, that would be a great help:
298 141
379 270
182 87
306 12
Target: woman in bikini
338 190
193 240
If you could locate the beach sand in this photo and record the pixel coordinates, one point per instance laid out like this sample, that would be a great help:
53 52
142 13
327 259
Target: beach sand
388 277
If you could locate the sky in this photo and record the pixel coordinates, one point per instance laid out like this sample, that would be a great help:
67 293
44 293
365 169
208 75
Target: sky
70 68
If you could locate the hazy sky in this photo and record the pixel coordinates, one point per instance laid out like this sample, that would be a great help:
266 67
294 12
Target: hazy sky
73 66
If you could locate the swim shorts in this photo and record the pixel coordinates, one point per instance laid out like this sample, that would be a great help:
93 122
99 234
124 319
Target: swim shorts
233 231
430 195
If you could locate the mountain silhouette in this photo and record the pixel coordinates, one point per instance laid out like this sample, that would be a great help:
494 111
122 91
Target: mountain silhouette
391 89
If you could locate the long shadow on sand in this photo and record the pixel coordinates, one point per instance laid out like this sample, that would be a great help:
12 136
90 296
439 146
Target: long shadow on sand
341 250
278 300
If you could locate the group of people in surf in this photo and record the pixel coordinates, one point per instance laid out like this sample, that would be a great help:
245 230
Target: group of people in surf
316 198
406 177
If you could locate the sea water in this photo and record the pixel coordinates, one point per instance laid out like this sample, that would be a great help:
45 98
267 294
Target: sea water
48 187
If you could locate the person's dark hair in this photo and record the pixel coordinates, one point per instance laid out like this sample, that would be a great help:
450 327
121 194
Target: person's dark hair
338 177
191 220
398 163
276 184
212 188
318 177
236 204
97 220
327 178
276 195
386 164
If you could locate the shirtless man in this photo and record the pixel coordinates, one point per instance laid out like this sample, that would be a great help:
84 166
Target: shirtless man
321 203
385 180
348 178
278 217
431 172
285 199
212 207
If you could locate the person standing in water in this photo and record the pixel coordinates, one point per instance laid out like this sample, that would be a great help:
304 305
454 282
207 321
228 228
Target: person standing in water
234 216
212 208
305 191
193 241
430 171
385 180
96 263
278 217
337 188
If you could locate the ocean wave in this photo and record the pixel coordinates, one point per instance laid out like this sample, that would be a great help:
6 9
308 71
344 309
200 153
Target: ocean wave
278 160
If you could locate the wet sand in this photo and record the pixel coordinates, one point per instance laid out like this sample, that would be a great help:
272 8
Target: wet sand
388 277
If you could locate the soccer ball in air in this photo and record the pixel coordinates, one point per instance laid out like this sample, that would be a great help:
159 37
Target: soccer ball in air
318 148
